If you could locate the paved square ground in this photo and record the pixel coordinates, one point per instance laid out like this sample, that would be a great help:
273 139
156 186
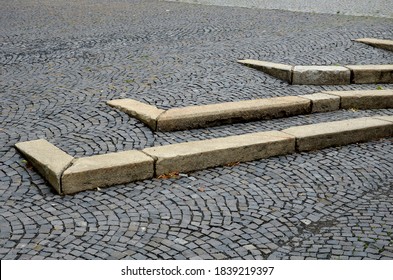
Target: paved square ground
61 60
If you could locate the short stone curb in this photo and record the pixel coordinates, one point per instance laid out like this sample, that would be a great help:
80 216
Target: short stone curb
107 170
378 43
68 175
197 155
47 159
251 110
338 133
325 75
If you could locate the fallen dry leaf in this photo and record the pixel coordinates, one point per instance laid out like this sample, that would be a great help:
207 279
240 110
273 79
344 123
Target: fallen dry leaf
173 174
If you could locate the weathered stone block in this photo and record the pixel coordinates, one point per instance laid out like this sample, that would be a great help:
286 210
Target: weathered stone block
378 43
106 170
321 75
371 74
47 159
329 134
322 102
277 70
146 113
365 99
190 156
232 112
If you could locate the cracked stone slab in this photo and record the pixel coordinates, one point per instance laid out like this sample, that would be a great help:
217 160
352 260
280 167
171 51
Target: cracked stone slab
106 170
364 99
277 70
321 75
371 74
338 133
47 159
197 155
378 43
146 113
232 112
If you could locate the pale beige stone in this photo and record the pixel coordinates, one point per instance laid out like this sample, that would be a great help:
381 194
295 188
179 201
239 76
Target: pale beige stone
321 75
146 113
323 135
47 159
197 155
384 118
232 112
378 43
365 99
371 74
106 170
277 70
322 102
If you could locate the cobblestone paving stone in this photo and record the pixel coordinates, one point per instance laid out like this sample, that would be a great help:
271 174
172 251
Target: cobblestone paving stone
61 60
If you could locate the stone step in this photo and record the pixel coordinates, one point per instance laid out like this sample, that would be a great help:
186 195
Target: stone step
68 175
197 155
107 170
378 43
325 75
250 110
338 133
47 159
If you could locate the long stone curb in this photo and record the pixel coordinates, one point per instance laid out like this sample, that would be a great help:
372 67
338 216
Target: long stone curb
68 175
249 110
325 75
378 43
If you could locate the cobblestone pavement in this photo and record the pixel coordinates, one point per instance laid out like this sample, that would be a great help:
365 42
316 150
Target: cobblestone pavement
61 60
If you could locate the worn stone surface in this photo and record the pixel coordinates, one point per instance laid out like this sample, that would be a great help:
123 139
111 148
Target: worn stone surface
332 134
385 118
232 112
146 113
371 74
365 99
278 70
378 43
197 155
106 170
322 102
47 159
321 75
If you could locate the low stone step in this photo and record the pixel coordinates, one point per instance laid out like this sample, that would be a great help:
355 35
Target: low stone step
232 112
146 113
371 74
338 133
47 159
197 155
68 175
378 43
258 109
325 75
278 70
107 170
364 99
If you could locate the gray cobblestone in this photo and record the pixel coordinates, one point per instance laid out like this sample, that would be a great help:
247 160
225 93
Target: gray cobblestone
56 78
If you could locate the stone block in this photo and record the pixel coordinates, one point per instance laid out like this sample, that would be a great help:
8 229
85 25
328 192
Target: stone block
330 134
197 155
322 102
365 99
47 159
378 43
371 74
146 113
321 75
106 170
277 70
232 112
